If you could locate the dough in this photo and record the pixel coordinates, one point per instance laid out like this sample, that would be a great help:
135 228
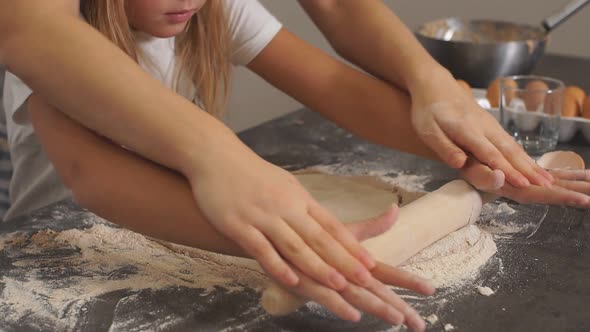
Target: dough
354 198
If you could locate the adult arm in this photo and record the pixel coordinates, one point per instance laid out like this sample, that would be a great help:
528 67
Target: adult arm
370 35
378 111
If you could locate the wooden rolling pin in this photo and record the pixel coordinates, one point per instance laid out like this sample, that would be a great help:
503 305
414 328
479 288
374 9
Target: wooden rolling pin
420 224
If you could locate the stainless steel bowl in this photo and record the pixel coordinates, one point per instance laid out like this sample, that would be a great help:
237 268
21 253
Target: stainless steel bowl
479 51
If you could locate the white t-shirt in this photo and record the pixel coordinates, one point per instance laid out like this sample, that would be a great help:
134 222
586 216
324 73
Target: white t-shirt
35 182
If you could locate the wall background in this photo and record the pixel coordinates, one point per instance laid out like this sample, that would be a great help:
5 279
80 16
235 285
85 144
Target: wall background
253 101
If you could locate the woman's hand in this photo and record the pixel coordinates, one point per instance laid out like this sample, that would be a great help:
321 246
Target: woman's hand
451 123
376 299
571 187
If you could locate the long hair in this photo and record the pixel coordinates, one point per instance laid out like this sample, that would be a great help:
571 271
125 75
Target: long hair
202 50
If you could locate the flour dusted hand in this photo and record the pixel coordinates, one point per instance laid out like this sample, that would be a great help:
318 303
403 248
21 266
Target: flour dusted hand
266 211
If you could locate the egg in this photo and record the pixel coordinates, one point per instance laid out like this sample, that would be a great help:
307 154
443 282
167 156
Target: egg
570 107
493 92
464 85
534 94
573 99
586 108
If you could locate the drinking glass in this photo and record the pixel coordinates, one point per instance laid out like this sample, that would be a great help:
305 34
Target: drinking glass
530 111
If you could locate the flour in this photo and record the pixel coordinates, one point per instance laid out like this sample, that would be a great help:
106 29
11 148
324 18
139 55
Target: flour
455 258
400 179
117 259
431 319
485 291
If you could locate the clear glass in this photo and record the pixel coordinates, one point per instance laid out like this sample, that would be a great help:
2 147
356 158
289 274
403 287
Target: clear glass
530 111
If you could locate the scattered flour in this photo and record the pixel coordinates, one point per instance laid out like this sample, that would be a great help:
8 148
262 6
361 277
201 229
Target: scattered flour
449 327
117 259
486 291
399 179
432 319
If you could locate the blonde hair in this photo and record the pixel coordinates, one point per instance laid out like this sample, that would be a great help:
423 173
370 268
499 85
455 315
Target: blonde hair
202 50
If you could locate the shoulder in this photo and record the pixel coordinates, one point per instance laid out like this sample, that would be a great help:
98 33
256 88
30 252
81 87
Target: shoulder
251 26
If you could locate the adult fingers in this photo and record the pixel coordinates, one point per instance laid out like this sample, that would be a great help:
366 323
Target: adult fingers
444 147
482 177
520 160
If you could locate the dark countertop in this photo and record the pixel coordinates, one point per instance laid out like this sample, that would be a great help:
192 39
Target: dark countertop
544 284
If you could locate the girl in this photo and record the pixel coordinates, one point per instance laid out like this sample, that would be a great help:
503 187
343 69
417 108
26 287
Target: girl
188 46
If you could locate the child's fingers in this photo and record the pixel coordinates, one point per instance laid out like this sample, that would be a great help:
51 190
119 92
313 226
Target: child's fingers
307 258
577 186
331 251
339 232
258 246
375 226
372 304
329 298
572 175
397 277
411 316
554 195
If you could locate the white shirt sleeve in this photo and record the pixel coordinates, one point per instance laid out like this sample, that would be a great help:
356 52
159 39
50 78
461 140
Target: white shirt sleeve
252 27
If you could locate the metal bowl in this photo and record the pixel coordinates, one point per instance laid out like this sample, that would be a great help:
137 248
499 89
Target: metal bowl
479 51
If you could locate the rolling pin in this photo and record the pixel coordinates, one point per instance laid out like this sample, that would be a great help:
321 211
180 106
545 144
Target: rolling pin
419 224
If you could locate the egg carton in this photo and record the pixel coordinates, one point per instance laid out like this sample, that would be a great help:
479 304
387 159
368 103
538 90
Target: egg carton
568 126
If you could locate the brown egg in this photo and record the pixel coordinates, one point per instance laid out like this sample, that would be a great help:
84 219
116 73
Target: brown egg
586 108
573 98
464 85
570 107
534 94
576 92
493 93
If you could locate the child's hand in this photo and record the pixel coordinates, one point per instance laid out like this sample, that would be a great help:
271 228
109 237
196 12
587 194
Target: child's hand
266 211
571 187
377 299
451 123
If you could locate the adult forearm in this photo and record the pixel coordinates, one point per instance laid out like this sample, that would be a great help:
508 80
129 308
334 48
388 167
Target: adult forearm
362 104
123 187
371 36
73 67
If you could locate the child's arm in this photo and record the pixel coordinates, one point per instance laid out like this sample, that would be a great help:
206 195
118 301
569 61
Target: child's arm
140 195
374 110
370 35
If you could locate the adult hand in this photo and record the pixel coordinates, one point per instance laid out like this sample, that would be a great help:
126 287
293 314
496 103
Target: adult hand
451 123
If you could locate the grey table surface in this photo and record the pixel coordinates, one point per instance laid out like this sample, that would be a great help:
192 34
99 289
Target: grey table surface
545 286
